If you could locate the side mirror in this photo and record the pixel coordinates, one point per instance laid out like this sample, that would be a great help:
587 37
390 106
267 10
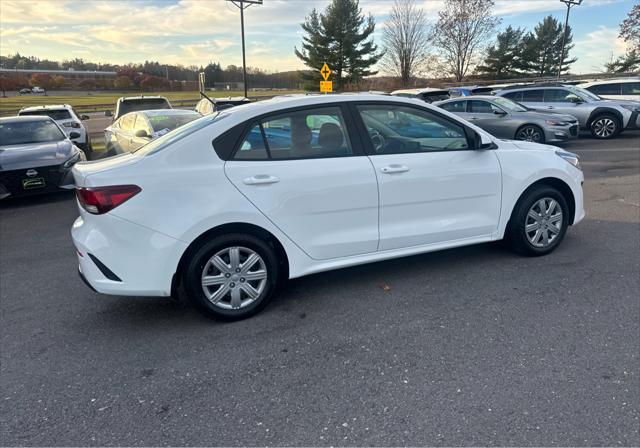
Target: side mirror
84 117
575 99
73 135
482 141
499 112
108 113
142 133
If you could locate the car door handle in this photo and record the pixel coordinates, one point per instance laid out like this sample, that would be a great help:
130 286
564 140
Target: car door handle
395 168
473 118
261 179
550 107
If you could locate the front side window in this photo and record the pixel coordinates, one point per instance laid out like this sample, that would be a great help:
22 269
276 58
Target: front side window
557 96
631 88
482 107
455 106
305 134
395 129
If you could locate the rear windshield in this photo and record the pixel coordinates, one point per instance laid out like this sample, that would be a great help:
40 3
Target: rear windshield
435 96
21 132
143 104
56 114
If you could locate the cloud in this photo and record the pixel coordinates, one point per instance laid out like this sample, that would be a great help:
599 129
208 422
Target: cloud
591 52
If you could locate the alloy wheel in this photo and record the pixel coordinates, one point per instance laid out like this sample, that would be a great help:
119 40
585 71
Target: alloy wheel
544 222
604 127
234 278
529 134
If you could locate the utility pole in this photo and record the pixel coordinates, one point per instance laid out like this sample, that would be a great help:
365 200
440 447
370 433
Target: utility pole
242 5
569 4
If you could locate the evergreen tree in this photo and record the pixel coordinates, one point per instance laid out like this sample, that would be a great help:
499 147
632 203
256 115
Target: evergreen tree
542 49
504 57
630 33
343 38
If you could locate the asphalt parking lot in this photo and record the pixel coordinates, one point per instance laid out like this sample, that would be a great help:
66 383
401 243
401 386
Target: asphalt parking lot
473 346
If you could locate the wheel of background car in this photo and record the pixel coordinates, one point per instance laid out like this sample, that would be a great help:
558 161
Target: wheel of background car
605 126
539 221
530 133
232 276
377 140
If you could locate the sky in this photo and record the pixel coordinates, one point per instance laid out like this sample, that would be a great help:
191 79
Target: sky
196 32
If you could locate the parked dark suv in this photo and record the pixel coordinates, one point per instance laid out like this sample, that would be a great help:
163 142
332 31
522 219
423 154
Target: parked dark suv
604 118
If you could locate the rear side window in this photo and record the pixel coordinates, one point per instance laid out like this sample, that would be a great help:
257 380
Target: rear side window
455 106
607 89
557 96
306 134
532 96
631 88
127 122
515 96
56 114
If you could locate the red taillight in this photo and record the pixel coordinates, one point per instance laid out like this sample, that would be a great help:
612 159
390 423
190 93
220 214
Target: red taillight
99 200
73 124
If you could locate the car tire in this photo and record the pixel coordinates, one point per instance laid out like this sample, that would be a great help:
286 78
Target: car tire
531 232
535 133
231 277
605 126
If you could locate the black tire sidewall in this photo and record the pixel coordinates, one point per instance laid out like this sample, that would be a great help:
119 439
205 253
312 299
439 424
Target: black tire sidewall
542 139
193 271
517 236
599 117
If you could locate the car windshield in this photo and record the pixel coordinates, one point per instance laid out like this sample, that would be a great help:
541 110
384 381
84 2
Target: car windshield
143 104
56 114
171 137
167 122
509 104
583 93
22 132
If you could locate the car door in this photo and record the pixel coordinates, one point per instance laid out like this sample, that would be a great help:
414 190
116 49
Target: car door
433 187
558 100
305 171
489 117
458 107
533 98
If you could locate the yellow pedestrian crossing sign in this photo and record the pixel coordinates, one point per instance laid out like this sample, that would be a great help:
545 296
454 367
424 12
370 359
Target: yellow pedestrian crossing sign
325 71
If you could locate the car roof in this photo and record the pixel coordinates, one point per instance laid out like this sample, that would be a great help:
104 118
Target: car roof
420 90
142 97
45 107
156 112
610 81
25 118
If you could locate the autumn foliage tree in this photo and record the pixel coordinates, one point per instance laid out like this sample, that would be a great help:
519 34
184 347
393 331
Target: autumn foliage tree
7 83
88 84
43 80
58 81
123 83
150 82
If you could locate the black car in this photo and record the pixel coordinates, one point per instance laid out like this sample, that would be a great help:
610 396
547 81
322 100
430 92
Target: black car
35 156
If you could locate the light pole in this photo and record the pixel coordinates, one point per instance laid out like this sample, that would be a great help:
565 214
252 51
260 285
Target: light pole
569 4
241 5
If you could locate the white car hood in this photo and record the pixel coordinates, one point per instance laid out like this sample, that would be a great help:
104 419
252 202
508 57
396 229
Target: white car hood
531 145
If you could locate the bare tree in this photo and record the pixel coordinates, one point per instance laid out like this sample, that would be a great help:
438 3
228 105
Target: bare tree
406 41
462 30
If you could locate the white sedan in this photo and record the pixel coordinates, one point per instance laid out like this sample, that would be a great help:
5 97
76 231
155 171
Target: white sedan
227 206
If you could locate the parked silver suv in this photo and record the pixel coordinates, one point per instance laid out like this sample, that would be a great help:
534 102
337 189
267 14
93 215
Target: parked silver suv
604 118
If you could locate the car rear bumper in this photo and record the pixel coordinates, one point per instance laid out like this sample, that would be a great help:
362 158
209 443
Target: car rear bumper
119 257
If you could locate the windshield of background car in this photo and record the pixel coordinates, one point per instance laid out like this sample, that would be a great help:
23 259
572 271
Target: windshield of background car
509 105
177 134
435 96
583 93
22 132
56 114
143 104
170 122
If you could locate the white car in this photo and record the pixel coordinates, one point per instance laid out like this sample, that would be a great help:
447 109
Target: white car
227 206
615 89
68 119
37 90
